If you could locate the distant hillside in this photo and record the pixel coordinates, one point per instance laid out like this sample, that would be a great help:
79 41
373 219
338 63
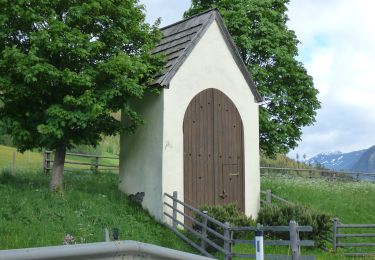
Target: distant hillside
281 161
366 162
362 160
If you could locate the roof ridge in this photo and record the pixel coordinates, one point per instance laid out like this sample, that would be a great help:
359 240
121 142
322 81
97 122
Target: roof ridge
191 17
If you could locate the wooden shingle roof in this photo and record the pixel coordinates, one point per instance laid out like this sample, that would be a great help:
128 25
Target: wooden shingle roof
180 38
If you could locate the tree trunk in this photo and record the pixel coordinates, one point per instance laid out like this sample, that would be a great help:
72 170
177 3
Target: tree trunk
56 183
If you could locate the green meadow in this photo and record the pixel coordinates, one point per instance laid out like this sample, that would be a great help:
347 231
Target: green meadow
31 216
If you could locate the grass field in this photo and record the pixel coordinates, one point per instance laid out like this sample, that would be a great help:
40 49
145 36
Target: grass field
27 160
352 202
32 216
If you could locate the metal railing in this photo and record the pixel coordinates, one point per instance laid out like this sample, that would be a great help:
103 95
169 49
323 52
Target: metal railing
94 164
337 237
126 249
205 223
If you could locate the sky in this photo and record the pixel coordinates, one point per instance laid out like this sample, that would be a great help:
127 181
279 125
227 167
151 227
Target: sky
338 50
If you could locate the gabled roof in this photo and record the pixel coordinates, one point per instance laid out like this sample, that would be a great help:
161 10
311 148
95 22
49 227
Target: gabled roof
180 39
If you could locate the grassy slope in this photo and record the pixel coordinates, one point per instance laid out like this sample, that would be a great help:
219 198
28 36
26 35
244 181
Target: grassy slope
31 216
352 202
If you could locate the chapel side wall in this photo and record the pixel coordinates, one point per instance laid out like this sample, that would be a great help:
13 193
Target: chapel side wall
141 155
210 65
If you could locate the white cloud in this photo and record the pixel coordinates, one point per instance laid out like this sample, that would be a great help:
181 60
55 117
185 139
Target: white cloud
337 46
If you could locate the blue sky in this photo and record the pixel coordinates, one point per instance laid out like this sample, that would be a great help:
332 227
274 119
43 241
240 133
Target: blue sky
338 49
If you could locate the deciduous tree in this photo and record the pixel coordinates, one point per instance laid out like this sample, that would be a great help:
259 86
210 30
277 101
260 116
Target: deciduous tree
66 66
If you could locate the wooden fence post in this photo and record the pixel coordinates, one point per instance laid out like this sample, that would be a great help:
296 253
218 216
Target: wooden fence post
44 161
14 163
294 237
96 166
268 198
47 163
227 242
106 235
204 230
335 232
174 210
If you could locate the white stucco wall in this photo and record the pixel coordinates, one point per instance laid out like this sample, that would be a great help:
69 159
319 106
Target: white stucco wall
210 65
141 156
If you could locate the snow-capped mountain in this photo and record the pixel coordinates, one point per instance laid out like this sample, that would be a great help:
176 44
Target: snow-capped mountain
339 161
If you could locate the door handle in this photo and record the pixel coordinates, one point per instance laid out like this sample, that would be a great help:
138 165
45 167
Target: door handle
234 174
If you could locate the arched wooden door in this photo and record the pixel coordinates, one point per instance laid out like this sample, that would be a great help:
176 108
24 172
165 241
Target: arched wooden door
213 151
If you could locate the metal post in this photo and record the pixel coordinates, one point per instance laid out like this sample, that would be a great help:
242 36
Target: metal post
335 232
227 242
293 237
259 250
174 210
204 230
268 198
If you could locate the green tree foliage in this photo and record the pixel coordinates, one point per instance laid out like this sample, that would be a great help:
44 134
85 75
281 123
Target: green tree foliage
66 66
269 49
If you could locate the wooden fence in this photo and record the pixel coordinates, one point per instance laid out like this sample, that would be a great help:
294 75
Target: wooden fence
337 236
319 173
94 164
269 197
225 247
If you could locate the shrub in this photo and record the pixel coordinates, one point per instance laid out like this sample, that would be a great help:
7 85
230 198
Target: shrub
280 215
224 213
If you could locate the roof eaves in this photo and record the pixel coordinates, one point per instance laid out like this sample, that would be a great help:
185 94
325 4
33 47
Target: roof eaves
237 57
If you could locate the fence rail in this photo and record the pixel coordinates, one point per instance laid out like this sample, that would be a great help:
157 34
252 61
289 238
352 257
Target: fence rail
337 236
269 196
227 236
94 164
115 250
331 174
